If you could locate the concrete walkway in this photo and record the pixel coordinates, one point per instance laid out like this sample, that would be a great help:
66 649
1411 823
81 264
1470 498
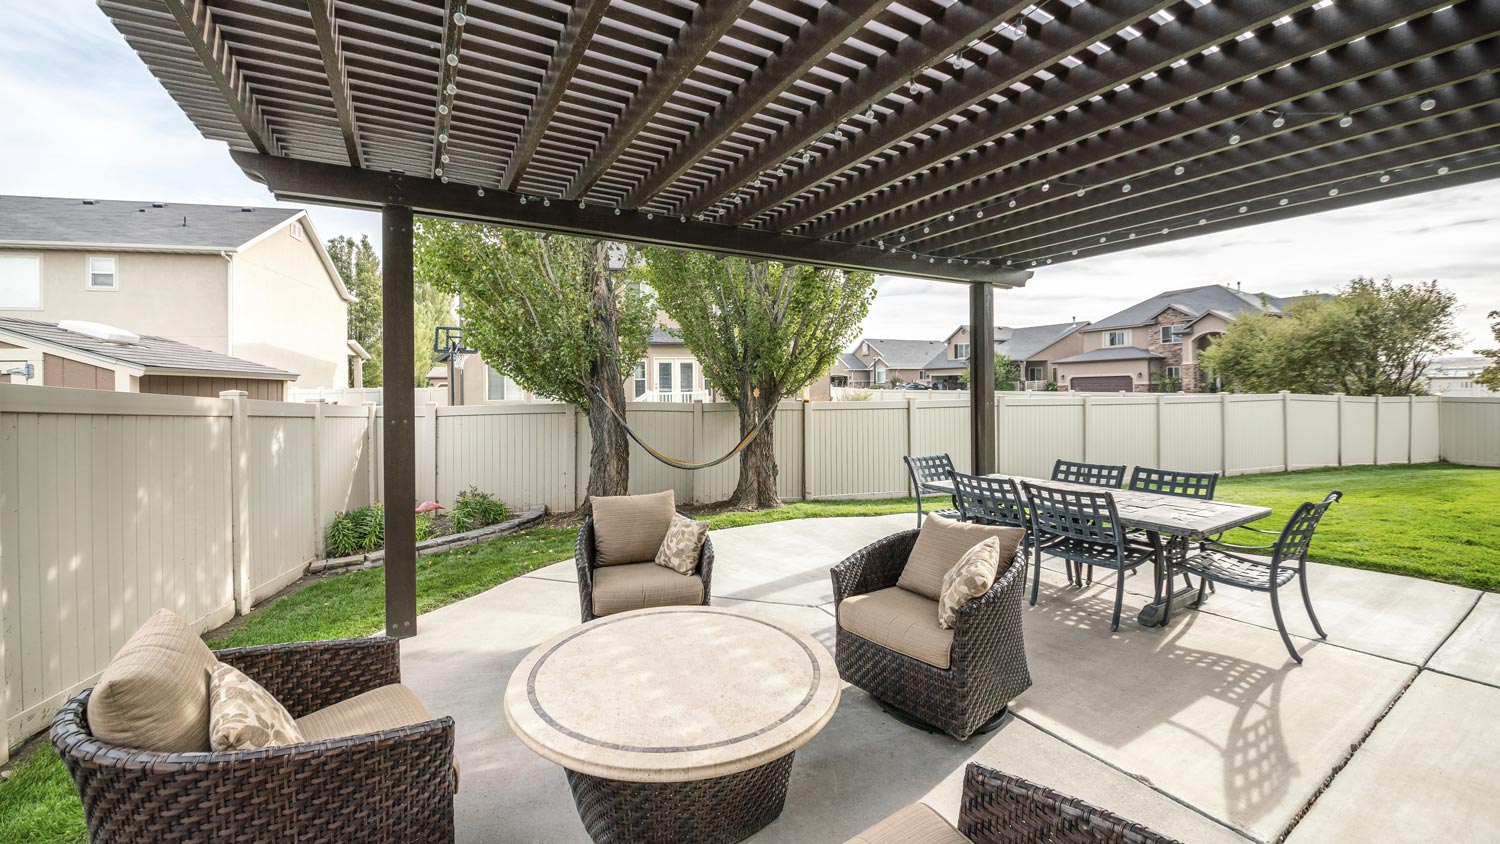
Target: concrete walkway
1205 731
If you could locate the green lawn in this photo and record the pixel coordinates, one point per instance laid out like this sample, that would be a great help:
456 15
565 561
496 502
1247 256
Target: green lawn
1438 522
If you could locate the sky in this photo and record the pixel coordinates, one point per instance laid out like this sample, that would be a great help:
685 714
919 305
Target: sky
85 119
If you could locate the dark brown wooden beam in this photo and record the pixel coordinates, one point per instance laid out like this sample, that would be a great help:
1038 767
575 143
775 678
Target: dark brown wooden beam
834 24
397 290
960 25
982 378
202 34
333 184
1313 201
702 33
1071 33
326 30
453 37
1209 162
1242 79
579 30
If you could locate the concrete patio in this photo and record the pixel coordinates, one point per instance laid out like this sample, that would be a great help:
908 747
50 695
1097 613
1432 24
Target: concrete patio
1205 731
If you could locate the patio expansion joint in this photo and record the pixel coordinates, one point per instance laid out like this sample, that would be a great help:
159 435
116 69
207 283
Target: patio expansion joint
1146 781
1374 725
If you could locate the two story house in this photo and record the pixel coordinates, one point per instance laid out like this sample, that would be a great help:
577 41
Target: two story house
879 362
1031 349
1155 344
248 282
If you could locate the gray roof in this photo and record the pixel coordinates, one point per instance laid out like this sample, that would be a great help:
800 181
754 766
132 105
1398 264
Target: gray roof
906 354
664 337
1113 353
1193 301
36 220
1025 342
853 363
151 353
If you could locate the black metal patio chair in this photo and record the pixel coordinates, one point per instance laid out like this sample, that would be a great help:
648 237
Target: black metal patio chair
1093 474
1084 529
1224 562
1172 482
990 501
924 472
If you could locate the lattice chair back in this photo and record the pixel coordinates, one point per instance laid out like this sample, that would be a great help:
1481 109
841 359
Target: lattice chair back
1093 474
994 501
1071 514
1297 536
929 469
1169 482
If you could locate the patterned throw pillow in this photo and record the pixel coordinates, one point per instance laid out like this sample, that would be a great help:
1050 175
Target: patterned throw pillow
679 551
972 577
244 716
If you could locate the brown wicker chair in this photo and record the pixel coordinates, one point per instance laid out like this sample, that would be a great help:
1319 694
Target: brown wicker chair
998 808
586 561
987 663
388 787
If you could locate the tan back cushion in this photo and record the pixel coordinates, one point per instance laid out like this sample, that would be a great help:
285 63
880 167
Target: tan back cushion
242 715
940 545
630 528
154 694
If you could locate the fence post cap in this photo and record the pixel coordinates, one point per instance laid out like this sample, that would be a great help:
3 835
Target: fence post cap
234 394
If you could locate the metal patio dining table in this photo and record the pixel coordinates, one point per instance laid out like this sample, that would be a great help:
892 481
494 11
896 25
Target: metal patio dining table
1174 519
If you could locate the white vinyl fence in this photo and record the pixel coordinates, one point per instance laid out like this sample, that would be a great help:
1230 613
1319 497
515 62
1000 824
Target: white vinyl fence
115 504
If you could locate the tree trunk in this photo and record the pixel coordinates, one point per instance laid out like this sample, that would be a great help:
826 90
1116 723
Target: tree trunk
609 448
757 485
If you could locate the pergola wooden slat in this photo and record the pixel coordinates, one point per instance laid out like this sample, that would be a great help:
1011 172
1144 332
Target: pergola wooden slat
957 140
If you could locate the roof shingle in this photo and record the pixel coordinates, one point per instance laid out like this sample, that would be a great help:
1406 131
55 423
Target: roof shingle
151 353
35 220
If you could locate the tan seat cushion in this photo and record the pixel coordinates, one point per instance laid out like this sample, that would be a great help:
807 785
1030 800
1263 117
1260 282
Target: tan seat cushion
679 551
630 528
903 621
641 585
916 824
154 694
385 708
242 715
972 577
940 544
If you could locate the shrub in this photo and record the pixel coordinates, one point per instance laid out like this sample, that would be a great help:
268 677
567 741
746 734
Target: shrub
476 509
357 531
858 395
426 527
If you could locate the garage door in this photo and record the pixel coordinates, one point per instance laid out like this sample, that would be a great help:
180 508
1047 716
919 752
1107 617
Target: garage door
1102 384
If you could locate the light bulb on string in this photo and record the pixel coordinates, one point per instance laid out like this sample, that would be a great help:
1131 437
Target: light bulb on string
951 218
1046 186
926 229
1429 104
459 19
1333 191
1279 122
979 215
481 191
453 59
1283 201
1125 188
911 86
1385 177
1443 171
451 90
1346 121
1179 170
1012 204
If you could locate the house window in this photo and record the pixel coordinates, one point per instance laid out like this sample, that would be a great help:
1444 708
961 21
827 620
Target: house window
1118 338
1169 334
296 231
960 351
686 381
494 385
664 376
640 378
102 274
21 281
879 375
1174 373
1035 373
921 375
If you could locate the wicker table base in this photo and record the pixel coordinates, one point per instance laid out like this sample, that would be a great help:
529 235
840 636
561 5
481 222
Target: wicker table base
721 810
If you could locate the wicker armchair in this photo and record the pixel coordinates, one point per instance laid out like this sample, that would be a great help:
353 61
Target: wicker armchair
586 561
998 808
387 787
987 663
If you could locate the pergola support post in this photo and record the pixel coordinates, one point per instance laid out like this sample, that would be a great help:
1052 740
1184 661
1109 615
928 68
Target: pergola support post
400 423
982 377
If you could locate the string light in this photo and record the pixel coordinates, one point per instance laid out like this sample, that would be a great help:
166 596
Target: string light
1179 170
1279 122
1385 177
1346 121
459 19
481 191
1443 171
979 215
911 86
1429 104
1333 191
1234 139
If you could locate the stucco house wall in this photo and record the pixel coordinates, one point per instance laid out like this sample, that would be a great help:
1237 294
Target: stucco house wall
287 311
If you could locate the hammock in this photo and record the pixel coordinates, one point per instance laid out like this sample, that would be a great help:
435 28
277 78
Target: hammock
672 461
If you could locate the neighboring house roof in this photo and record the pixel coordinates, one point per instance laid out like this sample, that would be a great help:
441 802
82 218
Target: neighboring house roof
1195 302
154 355
906 354
1113 353
941 362
665 337
126 225
1025 342
853 363
438 372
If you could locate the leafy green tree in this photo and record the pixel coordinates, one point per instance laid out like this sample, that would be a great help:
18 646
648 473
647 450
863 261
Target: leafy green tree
359 265
1007 372
762 331
551 313
432 306
1371 339
1490 377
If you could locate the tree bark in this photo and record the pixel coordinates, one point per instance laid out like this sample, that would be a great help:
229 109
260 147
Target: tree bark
756 489
609 447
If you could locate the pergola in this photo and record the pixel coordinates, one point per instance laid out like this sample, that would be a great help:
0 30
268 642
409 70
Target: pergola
958 140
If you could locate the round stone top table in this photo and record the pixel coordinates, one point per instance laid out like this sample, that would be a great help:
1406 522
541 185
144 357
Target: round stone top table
674 723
